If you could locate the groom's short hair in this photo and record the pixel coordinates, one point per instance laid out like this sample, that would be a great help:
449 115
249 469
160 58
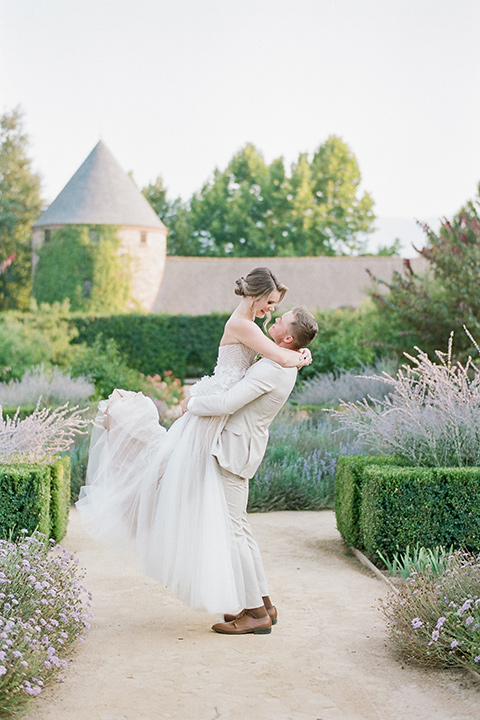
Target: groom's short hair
303 328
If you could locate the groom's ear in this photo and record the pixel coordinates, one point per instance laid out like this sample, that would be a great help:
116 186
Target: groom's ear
288 339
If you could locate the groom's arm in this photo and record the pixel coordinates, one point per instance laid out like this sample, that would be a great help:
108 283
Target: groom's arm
261 378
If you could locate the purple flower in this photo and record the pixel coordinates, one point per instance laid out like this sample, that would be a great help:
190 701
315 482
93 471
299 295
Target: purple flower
435 635
477 659
416 623
453 644
440 622
469 620
3 670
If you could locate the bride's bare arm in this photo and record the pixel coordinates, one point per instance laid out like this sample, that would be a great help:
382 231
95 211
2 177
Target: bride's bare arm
248 333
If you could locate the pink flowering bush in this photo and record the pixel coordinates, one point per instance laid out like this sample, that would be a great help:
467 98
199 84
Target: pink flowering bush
435 619
44 609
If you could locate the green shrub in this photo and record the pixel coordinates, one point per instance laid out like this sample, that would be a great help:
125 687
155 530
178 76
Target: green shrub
78 466
349 479
35 497
103 364
59 497
42 335
24 499
402 506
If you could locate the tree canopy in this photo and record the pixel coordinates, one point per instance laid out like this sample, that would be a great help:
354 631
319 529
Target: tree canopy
252 209
20 206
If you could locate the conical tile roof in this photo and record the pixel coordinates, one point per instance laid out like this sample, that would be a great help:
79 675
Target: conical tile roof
100 193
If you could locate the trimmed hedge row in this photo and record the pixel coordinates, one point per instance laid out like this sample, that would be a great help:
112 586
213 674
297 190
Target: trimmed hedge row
11 410
348 493
153 344
381 506
35 497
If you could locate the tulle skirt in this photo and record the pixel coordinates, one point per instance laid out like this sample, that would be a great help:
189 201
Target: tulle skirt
160 494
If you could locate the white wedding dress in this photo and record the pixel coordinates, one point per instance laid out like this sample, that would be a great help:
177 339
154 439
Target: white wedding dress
159 492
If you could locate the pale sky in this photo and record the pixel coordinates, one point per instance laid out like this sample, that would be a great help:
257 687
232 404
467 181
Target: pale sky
176 87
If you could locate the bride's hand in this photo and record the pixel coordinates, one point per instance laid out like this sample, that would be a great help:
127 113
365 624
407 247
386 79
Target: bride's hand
185 400
306 358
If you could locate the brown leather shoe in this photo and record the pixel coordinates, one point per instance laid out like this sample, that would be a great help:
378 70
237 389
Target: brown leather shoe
245 623
272 611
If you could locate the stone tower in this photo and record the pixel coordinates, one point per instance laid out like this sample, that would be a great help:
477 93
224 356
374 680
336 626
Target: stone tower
101 193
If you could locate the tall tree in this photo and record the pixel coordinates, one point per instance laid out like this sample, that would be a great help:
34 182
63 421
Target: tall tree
175 215
424 309
20 206
343 218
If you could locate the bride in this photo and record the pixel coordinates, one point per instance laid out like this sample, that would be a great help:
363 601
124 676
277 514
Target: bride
159 493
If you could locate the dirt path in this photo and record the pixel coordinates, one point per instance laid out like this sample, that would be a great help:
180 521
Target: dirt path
148 657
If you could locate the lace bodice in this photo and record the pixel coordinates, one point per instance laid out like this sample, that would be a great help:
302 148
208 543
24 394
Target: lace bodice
233 362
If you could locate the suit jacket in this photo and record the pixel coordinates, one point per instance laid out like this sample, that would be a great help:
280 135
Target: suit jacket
250 407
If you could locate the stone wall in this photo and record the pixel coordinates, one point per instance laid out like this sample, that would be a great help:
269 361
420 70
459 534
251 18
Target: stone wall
198 286
146 248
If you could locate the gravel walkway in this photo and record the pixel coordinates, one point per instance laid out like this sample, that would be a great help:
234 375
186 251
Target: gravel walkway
148 657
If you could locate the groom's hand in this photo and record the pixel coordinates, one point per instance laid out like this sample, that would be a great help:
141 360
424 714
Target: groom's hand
306 357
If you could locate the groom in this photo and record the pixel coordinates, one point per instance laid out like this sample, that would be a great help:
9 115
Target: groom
239 447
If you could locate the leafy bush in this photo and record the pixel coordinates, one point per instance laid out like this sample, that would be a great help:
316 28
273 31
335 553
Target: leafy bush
105 367
346 340
403 506
52 384
349 478
435 619
348 385
418 559
423 309
44 609
42 335
431 416
298 471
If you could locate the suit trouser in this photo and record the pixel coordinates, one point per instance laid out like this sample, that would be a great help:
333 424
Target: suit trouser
236 495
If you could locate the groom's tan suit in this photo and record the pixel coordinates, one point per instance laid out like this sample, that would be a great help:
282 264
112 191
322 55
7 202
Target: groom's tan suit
239 447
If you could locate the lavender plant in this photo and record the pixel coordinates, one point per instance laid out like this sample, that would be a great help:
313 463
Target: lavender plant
435 620
52 384
327 389
298 471
44 609
40 437
431 416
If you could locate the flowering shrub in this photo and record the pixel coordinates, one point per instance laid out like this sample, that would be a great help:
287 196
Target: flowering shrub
43 609
166 388
40 437
431 416
435 619
53 385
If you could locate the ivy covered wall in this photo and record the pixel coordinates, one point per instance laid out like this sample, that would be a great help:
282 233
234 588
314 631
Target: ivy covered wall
82 263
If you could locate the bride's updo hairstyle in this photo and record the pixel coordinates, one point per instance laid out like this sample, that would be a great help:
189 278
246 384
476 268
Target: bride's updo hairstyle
259 283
